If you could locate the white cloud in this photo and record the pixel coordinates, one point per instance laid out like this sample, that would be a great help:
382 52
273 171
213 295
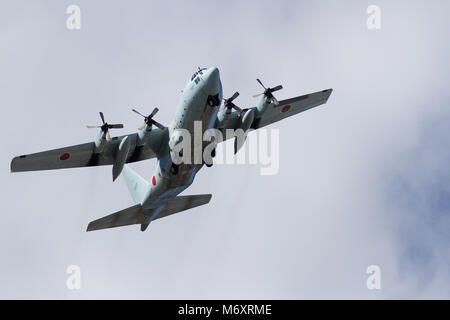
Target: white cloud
309 232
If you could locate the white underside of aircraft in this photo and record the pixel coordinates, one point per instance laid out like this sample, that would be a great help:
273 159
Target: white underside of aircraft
200 101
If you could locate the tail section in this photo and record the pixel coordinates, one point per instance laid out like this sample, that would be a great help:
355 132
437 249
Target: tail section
138 215
137 185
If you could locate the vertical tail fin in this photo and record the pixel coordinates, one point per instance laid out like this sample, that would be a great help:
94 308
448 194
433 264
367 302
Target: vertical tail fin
137 185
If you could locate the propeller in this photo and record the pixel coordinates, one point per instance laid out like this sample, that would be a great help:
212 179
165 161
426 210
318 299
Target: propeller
105 127
148 120
230 105
268 92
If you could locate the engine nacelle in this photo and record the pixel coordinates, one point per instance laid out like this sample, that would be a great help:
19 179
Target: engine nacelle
100 142
144 135
121 156
246 123
247 119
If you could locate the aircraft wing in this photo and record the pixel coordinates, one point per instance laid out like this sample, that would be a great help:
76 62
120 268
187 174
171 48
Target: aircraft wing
284 109
290 107
83 155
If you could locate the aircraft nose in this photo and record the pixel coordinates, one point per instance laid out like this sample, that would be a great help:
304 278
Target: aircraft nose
213 75
212 79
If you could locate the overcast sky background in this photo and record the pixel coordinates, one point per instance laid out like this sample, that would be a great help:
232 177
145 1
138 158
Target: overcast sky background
363 180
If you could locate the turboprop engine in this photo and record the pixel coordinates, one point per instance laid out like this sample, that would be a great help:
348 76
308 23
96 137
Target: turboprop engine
246 123
146 128
121 156
247 119
103 136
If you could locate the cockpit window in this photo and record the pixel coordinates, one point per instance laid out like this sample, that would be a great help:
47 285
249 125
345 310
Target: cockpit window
200 71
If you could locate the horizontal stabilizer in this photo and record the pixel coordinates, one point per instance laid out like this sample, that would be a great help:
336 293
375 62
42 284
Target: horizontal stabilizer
182 203
126 217
139 215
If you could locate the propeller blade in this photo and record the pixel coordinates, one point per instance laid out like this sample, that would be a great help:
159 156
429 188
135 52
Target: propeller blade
234 96
268 93
134 110
237 108
230 100
148 119
101 116
93 127
108 136
155 111
159 125
276 88
230 105
259 81
115 126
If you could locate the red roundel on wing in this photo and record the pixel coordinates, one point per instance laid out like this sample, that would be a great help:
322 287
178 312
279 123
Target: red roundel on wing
286 108
64 156
154 181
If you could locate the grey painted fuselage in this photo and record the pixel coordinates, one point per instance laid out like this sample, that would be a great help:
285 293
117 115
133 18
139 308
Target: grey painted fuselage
200 101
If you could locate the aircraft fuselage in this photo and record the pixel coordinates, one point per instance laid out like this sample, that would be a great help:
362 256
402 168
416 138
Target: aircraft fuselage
200 102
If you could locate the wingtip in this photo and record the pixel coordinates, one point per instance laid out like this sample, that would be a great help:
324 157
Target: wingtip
91 227
11 166
17 165
329 92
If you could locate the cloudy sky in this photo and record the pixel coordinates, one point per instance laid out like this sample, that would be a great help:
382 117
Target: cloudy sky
363 180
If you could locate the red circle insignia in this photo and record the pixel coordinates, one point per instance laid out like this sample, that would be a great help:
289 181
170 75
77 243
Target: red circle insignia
286 108
64 156
154 181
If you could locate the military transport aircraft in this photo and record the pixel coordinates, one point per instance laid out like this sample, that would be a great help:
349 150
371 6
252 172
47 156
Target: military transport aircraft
200 101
